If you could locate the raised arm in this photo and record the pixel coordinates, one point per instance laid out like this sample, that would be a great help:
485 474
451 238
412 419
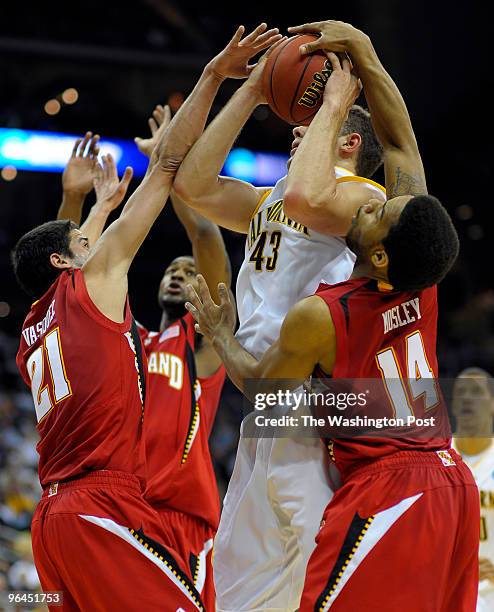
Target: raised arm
402 163
77 178
106 270
313 196
226 201
207 242
110 193
307 338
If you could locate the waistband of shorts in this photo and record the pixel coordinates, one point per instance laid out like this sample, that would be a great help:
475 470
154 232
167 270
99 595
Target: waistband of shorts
94 479
444 458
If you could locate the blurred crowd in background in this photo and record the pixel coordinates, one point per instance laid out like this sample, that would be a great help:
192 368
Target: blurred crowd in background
124 58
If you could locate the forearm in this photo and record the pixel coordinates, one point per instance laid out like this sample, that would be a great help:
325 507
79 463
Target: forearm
388 110
199 171
120 242
71 206
240 365
311 182
188 123
189 218
94 224
208 246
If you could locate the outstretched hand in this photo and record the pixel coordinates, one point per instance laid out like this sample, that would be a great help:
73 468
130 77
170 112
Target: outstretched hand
255 79
486 569
110 192
157 124
233 61
343 86
333 36
211 319
78 174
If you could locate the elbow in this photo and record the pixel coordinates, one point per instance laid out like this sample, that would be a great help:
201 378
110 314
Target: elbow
181 186
300 204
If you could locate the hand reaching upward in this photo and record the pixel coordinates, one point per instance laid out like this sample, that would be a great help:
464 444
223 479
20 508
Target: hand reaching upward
211 319
157 124
343 86
110 192
78 174
333 36
233 61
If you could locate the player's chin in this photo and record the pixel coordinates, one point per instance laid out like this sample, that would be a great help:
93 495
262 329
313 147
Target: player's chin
173 299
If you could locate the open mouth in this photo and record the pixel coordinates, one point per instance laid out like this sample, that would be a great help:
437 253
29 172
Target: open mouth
174 288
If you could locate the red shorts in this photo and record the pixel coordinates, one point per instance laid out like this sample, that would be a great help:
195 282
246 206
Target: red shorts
193 541
98 541
400 535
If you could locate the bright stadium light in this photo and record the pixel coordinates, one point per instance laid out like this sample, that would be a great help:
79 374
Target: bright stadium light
49 151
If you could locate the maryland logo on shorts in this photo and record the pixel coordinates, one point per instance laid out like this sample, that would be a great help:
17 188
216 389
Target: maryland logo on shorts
53 490
445 457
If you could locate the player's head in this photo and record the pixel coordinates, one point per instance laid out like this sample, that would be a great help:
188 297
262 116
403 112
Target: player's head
409 241
172 290
357 141
44 252
473 403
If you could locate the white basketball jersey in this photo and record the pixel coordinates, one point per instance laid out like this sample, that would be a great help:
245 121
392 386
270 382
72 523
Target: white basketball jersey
284 262
482 467
267 528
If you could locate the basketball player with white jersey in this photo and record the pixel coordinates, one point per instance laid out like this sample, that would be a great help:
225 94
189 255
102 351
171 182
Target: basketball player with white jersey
473 408
266 532
402 531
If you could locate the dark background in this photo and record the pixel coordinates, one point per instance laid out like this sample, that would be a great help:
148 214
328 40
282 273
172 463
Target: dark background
124 57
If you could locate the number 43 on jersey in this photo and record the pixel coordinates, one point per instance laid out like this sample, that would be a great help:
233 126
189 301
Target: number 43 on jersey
271 243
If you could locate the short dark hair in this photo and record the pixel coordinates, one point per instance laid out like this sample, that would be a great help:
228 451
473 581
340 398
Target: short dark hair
370 155
422 246
31 255
480 373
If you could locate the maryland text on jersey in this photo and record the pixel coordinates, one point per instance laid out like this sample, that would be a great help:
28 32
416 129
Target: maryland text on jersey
168 365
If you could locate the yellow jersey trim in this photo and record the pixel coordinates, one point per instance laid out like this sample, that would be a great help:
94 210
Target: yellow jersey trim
361 179
350 173
384 286
259 204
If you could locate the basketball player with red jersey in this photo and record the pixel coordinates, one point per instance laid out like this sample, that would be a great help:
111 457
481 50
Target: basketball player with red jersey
402 531
94 537
185 375
185 381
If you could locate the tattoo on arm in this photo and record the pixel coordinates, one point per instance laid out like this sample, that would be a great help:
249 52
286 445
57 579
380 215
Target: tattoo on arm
406 184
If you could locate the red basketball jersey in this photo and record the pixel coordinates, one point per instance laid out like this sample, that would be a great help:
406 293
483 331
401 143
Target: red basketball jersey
180 414
388 336
83 371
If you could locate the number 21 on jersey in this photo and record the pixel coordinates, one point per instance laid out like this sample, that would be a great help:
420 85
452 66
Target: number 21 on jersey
51 384
418 381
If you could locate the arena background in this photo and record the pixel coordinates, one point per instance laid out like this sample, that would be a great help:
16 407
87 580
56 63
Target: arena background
123 58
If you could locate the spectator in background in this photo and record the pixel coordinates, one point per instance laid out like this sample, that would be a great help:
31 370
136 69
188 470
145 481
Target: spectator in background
473 409
22 575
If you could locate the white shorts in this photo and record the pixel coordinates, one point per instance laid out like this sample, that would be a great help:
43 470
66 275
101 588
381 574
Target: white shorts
271 514
485 601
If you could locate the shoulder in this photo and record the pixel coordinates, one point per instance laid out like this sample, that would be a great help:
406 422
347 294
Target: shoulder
360 188
307 323
262 194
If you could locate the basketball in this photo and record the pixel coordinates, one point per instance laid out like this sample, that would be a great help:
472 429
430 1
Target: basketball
294 84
